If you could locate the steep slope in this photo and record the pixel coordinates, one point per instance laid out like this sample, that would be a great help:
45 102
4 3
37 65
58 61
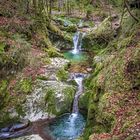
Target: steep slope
114 87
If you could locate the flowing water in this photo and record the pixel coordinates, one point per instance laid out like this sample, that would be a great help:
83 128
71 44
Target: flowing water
77 40
76 54
79 80
69 126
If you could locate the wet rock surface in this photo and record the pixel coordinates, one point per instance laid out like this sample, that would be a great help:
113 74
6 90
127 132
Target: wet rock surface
14 130
31 137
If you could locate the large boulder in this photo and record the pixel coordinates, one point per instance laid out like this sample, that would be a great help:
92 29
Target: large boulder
100 34
51 96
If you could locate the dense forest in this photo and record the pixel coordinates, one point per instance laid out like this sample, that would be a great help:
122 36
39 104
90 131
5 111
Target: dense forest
70 69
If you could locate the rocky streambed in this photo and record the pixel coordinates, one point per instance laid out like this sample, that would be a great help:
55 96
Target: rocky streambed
50 97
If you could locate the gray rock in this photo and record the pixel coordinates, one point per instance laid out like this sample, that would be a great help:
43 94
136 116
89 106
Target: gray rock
31 137
36 107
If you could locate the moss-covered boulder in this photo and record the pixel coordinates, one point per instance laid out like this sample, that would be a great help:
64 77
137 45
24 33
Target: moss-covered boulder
59 101
101 34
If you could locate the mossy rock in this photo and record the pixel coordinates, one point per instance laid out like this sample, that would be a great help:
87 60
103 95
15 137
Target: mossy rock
101 35
84 101
62 74
58 106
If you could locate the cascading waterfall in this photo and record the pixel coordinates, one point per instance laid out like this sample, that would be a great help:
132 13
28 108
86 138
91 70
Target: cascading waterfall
80 24
77 41
78 79
70 126
76 54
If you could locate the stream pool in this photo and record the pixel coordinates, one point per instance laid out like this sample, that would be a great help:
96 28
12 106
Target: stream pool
80 57
66 127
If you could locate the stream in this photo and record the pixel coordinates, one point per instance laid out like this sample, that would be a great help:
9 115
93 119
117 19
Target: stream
69 126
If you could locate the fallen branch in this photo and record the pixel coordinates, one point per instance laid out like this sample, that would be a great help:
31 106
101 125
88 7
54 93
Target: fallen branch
134 17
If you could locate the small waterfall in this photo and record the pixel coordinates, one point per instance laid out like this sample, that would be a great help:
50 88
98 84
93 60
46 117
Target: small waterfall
80 24
77 41
79 80
70 126
75 110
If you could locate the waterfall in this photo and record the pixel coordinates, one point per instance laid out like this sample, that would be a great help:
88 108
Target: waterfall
80 24
75 110
79 80
77 41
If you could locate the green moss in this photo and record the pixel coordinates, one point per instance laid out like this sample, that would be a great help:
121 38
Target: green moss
103 34
69 92
127 125
3 85
62 74
99 128
71 28
84 101
50 100
87 132
20 110
44 78
6 119
55 105
68 37
125 42
49 93
66 21
53 52
24 85
46 60
4 94
2 46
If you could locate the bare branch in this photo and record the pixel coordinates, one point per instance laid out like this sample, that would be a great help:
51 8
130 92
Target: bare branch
134 17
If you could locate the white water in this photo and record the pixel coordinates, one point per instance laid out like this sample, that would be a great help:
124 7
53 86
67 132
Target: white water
79 80
77 41
70 126
80 24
